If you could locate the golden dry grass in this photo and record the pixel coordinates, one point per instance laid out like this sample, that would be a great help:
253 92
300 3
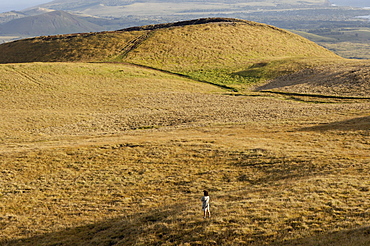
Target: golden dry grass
267 186
41 97
114 154
220 45
84 47
118 154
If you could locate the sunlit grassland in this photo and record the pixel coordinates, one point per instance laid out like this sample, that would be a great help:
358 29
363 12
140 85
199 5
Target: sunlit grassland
119 154
102 154
38 96
282 183
217 45
219 52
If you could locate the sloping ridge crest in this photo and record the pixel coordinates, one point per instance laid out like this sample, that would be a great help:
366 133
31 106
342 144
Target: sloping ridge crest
158 26
186 23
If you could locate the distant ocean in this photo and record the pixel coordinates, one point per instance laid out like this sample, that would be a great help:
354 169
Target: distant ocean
352 3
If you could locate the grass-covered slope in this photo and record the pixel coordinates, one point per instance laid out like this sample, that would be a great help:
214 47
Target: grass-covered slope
273 181
50 99
219 51
119 154
114 154
214 50
220 45
88 47
349 79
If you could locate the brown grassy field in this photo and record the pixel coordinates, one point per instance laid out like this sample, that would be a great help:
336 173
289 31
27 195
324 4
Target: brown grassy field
119 153
114 154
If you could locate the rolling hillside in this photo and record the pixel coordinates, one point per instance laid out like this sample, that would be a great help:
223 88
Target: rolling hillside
59 98
215 50
110 138
115 154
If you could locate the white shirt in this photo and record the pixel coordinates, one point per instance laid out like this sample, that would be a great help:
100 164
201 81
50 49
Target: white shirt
205 200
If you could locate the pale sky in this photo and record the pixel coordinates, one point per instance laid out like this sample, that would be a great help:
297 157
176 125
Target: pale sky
8 5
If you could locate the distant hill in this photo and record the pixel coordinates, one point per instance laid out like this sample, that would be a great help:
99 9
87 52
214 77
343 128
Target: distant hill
9 16
120 8
37 11
353 3
85 4
55 22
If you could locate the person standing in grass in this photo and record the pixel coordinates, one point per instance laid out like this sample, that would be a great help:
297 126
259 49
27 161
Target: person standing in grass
205 205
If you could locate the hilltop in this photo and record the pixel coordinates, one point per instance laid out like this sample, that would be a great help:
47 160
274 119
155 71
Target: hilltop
232 53
317 16
249 39
215 50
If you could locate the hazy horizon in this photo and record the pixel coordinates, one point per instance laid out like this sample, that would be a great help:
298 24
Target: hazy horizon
19 5
353 3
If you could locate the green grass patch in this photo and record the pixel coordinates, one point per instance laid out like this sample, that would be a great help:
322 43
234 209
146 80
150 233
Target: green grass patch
257 73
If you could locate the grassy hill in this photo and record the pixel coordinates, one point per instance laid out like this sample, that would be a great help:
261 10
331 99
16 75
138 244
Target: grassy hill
215 50
117 150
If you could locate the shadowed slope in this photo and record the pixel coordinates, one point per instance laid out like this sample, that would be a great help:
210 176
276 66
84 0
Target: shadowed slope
356 124
345 79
